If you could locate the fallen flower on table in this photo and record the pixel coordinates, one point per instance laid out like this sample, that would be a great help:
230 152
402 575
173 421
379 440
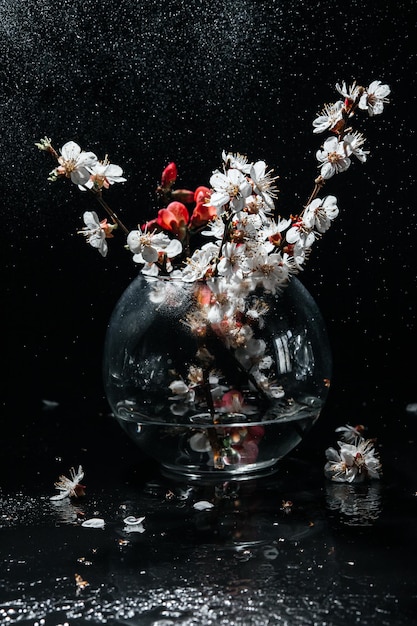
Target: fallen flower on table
355 461
70 487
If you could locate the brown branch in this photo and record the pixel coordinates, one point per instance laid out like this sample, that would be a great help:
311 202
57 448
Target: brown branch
109 211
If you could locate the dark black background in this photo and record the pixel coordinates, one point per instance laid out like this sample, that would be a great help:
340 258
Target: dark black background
149 82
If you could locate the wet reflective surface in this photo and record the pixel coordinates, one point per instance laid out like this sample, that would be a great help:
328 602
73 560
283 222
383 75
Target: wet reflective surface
292 548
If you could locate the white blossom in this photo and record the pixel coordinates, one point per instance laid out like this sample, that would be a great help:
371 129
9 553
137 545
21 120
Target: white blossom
236 161
350 93
264 183
301 232
149 245
293 263
353 462
214 229
272 227
256 207
333 158
231 188
353 145
182 391
374 98
198 264
267 270
231 261
69 487
75 163
319 214
104 174
328 117
96 232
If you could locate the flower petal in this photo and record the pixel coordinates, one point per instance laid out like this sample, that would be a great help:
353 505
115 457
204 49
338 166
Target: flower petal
132 520
203 505
94 522
70 151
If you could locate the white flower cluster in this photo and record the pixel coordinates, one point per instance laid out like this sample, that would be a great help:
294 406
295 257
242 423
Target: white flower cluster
83 168
335 156
247 242
247 249
246 246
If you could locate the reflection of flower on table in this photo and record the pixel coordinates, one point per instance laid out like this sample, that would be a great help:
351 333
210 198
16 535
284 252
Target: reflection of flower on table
357 505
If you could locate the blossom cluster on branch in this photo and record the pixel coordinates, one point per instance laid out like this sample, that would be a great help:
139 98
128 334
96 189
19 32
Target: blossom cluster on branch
240 237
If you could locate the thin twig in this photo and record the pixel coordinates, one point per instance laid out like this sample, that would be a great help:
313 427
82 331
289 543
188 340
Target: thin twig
109 211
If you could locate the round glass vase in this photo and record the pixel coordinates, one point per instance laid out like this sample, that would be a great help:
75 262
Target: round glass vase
215 400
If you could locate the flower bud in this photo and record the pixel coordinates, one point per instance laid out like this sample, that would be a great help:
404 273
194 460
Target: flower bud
169 175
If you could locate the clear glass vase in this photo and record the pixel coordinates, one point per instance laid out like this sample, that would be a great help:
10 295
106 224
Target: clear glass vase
204 401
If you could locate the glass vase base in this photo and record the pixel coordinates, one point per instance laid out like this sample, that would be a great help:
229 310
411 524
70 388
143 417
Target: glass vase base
214 475
229 451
